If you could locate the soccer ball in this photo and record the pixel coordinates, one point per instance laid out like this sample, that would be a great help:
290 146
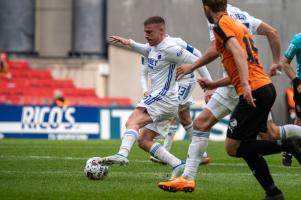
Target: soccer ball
95 171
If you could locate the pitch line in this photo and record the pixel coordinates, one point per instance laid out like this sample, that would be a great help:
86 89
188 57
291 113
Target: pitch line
37 157
139 174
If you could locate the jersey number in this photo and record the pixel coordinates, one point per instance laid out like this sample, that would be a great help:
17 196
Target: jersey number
251 50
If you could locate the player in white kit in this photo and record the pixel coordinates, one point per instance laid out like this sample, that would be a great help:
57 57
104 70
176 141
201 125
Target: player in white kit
223 101
186 86
161 105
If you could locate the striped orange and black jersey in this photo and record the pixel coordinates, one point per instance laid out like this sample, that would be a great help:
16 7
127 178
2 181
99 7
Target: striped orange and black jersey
227 28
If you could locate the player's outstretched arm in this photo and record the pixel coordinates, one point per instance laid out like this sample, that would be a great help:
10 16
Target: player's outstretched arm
114 39
274 41
210 55
140 48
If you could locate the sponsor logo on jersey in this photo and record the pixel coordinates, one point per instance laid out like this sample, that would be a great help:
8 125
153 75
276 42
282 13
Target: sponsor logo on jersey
152 63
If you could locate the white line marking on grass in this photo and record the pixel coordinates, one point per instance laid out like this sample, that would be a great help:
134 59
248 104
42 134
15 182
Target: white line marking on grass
131 161
140 174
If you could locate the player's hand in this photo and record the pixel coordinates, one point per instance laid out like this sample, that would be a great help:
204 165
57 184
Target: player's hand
208 95
117 39
248 95
147 93
275 69
207 84
183 70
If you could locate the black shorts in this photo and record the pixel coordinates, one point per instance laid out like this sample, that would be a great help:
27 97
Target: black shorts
246 121
297 97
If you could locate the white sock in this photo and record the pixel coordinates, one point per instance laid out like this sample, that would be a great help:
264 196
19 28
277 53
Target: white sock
169 138
158 151
128 140
189 130
197 147
290 130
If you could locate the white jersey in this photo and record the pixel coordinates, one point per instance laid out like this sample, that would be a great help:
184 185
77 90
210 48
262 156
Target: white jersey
243 17
251 23
189 78
162 62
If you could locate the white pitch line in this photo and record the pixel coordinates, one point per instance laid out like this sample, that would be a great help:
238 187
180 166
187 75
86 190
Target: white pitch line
140 174
131 161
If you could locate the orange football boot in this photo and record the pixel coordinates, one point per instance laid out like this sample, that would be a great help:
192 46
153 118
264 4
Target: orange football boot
178 184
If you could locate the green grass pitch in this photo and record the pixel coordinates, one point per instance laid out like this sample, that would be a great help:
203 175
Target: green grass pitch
41 169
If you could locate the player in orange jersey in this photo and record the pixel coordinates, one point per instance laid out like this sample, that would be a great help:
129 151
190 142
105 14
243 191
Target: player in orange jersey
257 94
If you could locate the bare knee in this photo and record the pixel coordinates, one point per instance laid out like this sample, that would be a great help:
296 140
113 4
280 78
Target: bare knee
231 147
130 124
204 121
273 131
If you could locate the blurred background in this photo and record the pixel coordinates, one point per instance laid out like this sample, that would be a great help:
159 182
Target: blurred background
57 51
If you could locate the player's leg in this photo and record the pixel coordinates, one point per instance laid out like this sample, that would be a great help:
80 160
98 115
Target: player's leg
213 111
146 142
169 138
252 150
139 118
185 118
186 121
167 141
275 132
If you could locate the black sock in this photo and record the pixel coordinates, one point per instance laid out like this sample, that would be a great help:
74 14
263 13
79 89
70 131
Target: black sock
261 147
260 170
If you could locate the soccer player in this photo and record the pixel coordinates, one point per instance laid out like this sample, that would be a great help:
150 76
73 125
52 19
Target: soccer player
294 49
186 86
234 44
225 99
157 109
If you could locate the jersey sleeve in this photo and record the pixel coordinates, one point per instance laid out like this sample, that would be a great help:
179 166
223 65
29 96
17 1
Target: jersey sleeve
210 29
291 51
142 49
187 46
224 31
178 55
255 23
144 74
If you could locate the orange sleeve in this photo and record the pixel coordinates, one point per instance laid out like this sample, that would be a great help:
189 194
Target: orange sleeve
224 30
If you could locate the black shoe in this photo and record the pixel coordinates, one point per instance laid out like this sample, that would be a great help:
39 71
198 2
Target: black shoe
293 145
275 197
287 159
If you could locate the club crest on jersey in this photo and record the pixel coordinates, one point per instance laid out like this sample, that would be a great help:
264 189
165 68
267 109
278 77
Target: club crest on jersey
159 57
180 52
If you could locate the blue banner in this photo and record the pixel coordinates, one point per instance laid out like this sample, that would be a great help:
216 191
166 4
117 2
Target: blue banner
51 122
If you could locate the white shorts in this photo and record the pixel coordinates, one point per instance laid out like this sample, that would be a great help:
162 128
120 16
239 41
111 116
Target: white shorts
162 109
222 102
185 93
162 127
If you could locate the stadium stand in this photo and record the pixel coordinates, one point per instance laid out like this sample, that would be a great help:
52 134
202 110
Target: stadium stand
35 87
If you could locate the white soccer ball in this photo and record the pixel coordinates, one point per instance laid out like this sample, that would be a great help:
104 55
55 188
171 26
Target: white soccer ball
95 171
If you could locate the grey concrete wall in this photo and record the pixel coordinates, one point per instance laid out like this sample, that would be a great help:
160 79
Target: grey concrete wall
53 27
17 27
185 19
